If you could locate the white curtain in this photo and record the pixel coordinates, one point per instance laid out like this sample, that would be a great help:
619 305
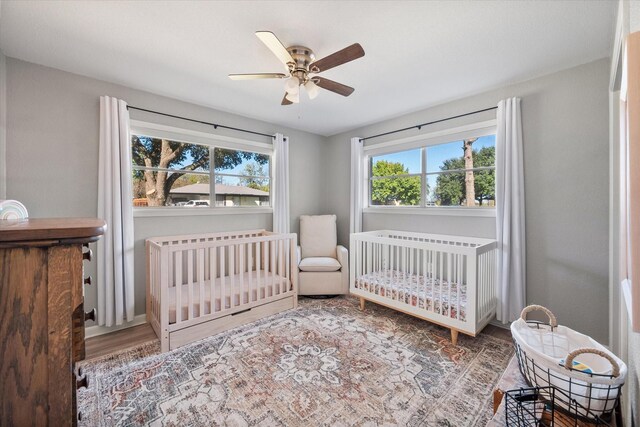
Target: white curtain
357 197
115 248
281 223
510 223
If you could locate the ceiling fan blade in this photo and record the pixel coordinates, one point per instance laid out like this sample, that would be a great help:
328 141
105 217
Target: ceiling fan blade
285 101
272 42
257 76
340 57
336 87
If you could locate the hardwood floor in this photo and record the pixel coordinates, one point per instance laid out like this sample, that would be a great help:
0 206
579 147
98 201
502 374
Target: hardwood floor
498 332
118 340
130 337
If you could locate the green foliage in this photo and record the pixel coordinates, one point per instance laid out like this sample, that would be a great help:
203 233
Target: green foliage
229 159
392 191
255 177
450 187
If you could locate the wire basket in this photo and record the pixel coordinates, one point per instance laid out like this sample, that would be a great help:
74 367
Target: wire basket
546 357
537 407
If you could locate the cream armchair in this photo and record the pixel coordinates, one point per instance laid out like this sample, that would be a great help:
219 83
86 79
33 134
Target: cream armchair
323 264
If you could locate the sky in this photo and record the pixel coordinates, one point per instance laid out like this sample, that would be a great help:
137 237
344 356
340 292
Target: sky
436 155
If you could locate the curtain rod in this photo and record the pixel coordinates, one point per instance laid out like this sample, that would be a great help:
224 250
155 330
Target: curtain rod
428 123
215 125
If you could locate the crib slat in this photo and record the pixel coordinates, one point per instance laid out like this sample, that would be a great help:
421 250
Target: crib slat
281 264
368 254
287 265
190 301
425 279
397 269
232 275
362 259
450 272
212 277
241 274
483 282
250 270
200 264
441 256
258 270
268 275
273 267
178 276
412 275
223 290
460 283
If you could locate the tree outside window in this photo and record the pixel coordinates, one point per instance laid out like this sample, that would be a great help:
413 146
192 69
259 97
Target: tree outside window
162 165
458 173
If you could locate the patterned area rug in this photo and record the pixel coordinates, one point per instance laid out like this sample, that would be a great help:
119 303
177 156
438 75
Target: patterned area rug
325 364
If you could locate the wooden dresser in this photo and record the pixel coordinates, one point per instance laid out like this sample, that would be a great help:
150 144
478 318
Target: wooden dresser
42 317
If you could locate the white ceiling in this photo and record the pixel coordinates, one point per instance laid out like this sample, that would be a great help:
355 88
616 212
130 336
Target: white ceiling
418 53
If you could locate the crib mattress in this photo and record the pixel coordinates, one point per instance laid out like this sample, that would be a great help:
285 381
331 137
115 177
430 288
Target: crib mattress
270 285
418 291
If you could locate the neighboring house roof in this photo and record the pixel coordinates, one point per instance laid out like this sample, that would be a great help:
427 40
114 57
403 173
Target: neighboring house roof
220 189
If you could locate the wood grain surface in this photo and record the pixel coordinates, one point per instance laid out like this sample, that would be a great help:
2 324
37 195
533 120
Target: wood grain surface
35 229
23 337
41 318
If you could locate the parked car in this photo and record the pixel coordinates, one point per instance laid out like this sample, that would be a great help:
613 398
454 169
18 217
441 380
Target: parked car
197 203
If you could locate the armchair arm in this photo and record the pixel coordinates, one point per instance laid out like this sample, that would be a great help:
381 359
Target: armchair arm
342 256
343 259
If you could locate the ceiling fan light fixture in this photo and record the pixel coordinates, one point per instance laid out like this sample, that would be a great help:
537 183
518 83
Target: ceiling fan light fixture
300 62
312 89
292 86
293 97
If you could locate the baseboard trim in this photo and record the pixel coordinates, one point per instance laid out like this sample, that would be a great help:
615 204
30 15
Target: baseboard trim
499 324
94 331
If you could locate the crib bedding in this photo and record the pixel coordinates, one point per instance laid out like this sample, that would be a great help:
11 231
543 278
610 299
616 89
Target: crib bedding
416 290
270 285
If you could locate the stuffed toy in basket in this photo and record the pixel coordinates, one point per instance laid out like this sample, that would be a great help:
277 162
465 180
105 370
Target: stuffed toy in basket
583 370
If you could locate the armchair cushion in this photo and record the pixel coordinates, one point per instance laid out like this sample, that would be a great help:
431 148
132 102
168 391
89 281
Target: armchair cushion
319 264
318 236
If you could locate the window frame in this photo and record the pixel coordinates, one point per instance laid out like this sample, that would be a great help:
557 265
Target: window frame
212 142
478 129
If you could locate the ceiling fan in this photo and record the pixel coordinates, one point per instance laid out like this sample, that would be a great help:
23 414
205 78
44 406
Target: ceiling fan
301 64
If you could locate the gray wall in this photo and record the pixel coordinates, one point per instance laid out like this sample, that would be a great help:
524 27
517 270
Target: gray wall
565 124
52 155
52 158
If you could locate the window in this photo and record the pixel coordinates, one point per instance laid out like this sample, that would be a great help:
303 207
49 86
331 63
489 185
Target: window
396 179
179 174
455 173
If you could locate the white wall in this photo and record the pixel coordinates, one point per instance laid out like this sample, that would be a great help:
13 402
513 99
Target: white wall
566 154
52 155
3 125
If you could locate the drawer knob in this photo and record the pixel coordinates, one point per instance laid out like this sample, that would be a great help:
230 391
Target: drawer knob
90 315
82 382
88 255
87 281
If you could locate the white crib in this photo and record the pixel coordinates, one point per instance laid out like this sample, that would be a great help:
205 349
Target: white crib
447 280
200 285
